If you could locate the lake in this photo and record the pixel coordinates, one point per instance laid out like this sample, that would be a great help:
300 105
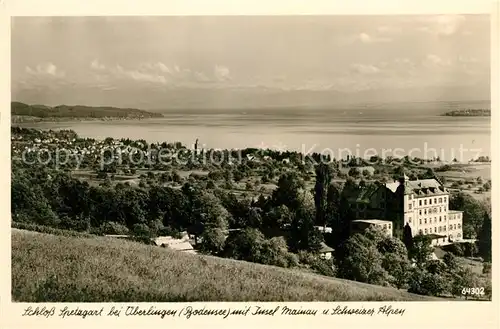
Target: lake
422 132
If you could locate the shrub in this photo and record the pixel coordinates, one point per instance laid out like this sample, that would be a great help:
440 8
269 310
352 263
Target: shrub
114 228
486 268
423 282
141 230
49 230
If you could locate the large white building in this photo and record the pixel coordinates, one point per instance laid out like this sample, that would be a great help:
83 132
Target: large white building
422 204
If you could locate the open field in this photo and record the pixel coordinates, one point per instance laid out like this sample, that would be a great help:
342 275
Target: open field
49 268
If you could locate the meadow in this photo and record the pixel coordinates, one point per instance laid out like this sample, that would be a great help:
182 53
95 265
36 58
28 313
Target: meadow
54 268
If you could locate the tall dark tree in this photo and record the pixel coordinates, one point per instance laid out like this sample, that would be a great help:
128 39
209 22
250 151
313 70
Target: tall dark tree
485 238
324 175
332 205
407 237
303 234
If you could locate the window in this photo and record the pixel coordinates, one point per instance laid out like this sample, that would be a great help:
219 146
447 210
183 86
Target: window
435 229
444 239
420 221
459 235
440 200
425 211
440 218
444 199
425 202
444 217
440 228
389 225
420 212
435 220
409 206
419 202
444 228
430 201
455 226
425 220
420 232
451 227
409 221
459 225
435 200
425 231
385 227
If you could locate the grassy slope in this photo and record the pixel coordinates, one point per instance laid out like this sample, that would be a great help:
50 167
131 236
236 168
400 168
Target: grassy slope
49 268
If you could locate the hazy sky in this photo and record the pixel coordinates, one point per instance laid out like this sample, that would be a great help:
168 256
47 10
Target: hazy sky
56 60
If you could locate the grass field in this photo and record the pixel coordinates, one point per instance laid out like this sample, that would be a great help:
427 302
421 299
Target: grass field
49 268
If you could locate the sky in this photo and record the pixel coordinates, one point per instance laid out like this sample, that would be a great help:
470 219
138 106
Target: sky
155 61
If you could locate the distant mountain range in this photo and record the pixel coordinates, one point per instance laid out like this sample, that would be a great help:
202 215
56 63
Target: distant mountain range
154 97
77 111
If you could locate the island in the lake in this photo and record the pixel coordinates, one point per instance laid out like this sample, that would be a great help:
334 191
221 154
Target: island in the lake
22 112
469 113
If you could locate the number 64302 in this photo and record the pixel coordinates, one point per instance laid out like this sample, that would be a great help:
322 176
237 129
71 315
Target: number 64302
473 291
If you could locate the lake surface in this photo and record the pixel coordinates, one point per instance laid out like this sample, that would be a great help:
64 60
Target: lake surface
396 132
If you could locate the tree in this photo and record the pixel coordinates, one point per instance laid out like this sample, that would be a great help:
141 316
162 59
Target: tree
408 237
324 175
212 241
473 213
485 243
354 172
303 234
332 205
274 251
421 250
141 230
278 218
253 218
425 283
244 245
463 278
288 191
360 260
395 261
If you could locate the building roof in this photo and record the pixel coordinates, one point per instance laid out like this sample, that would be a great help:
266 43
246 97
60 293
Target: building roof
436 236
455 211
181 246
420 187
362 194
324 229
325 248
372 221
393 186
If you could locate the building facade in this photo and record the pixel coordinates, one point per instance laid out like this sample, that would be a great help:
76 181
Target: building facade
422 204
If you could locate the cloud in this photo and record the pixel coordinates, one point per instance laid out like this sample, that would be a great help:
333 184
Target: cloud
45 70
96 65
434 60
388 29
222 73
365 69
366 38
441 25
159 73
